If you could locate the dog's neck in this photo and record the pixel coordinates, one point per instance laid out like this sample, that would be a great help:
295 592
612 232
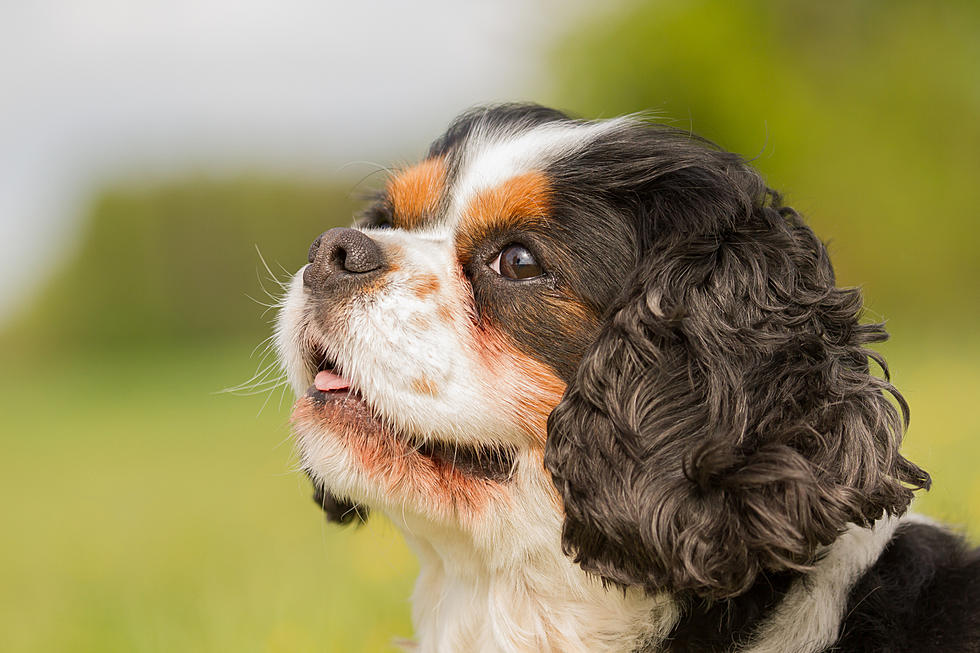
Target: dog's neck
480 594
787 611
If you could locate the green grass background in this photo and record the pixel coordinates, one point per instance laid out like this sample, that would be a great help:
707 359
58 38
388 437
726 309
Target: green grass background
143 510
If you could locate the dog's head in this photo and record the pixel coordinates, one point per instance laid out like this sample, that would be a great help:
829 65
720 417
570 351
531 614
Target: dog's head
613 326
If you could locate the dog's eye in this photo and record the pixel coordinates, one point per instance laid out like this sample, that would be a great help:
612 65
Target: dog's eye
515 262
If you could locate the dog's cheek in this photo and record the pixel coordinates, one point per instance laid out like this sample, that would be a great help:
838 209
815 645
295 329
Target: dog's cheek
524 388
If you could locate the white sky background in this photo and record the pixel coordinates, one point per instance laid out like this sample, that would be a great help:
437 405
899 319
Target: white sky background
91 90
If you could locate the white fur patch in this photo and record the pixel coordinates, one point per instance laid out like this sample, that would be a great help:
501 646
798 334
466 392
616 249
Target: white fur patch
490 159
809 617
514 591
291 322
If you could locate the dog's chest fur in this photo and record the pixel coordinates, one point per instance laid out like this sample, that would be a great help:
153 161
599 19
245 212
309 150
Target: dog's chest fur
497 596
494 596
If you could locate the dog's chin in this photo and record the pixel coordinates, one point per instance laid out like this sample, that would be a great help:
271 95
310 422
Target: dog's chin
358 455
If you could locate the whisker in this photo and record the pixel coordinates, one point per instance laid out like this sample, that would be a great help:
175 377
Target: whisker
282 284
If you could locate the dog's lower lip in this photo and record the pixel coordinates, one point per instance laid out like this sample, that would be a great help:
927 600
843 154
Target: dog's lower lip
492 465
321 396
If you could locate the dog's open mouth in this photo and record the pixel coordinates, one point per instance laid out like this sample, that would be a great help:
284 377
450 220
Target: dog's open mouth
341 402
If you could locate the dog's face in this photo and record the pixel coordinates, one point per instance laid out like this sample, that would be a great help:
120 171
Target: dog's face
608 328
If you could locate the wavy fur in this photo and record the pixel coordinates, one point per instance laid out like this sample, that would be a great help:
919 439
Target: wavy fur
727 406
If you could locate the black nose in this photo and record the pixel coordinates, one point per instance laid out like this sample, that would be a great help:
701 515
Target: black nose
342 255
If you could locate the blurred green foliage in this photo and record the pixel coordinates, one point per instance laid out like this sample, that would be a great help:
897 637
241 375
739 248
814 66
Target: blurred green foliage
864 113
184 261
143 512
145 509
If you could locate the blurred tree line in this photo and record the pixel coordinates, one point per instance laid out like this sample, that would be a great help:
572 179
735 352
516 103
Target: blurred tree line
184 260
864 113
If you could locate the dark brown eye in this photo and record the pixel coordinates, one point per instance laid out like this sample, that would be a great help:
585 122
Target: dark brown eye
515 262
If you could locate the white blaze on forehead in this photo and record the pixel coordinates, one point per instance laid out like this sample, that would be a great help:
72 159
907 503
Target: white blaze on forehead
491 158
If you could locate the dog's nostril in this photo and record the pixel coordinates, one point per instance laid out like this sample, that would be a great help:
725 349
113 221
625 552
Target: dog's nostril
314 248
357 253
341 253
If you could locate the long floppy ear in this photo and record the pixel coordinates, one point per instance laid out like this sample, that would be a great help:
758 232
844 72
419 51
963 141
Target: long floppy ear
725 422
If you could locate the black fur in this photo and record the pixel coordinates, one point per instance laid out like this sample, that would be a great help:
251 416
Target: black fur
725 422
338 511
709 626
922 595
722 422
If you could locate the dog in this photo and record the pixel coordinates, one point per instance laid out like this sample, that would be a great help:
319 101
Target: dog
601 378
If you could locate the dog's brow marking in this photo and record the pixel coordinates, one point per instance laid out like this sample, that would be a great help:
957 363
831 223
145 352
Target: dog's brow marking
491 159
520 202
416 193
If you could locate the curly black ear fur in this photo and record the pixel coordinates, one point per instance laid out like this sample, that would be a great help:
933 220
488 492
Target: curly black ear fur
725 422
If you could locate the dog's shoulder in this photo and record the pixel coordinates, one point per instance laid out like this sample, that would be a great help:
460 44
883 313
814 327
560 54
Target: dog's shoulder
922 594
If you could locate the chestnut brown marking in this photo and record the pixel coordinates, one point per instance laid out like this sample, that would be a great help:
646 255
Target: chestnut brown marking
553 327
419 322
392 266
537 391
375 286
572 313
445 314
425 285
521 202
536 404
425 386
389 460
416 193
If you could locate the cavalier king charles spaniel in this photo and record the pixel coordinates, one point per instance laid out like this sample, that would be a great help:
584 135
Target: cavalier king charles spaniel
603 381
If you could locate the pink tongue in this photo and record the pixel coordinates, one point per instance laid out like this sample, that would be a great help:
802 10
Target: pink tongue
327 381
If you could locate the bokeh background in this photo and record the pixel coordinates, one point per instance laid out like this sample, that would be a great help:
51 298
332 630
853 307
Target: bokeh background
164 164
